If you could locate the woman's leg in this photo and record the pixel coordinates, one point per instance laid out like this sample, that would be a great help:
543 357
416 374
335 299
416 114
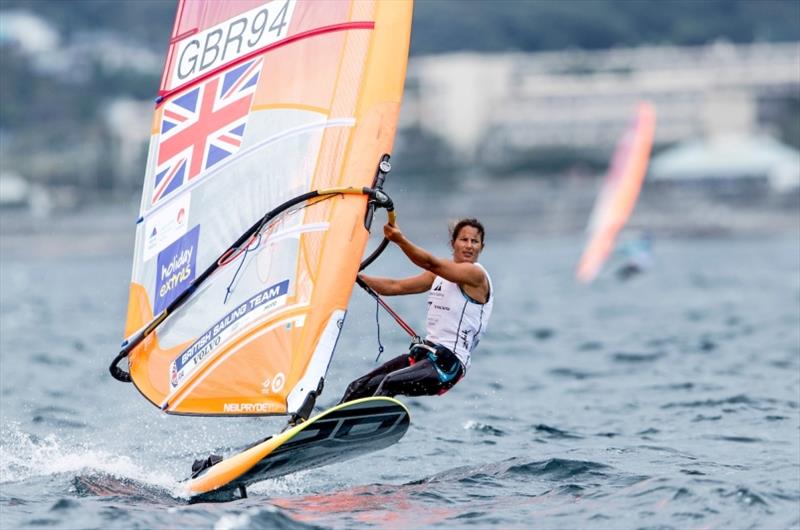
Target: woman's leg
419 379
366 385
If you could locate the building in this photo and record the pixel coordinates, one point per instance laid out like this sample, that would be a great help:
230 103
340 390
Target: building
492 104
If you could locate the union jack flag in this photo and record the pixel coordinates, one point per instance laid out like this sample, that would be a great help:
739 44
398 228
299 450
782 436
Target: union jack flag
203 126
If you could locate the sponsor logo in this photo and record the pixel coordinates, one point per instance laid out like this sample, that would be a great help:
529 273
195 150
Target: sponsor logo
270 298
175 269
278 381
464 339
251 408
274 385
436 293
166 225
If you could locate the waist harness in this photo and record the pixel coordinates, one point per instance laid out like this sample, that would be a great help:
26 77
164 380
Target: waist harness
447 365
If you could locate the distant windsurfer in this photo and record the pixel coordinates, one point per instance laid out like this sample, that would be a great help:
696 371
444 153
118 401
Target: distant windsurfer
638 255
460 299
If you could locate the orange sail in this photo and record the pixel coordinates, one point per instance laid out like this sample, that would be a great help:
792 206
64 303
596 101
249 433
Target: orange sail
618 195
260 102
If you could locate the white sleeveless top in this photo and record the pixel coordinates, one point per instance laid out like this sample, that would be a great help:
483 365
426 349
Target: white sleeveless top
455 320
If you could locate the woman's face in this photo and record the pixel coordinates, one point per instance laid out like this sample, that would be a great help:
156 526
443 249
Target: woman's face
467 245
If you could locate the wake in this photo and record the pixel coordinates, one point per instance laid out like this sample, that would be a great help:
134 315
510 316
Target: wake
89 470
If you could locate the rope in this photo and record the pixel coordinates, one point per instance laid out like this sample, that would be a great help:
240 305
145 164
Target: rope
265 229
247 250
378 324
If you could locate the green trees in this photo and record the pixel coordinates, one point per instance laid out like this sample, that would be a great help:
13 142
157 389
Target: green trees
536 25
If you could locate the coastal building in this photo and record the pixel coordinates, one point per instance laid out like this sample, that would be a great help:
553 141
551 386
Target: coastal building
487 105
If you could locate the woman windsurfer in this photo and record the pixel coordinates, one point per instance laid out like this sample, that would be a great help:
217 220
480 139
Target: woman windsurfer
460 299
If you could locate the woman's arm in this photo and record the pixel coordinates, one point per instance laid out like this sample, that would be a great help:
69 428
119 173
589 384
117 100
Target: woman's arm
465 274
391 287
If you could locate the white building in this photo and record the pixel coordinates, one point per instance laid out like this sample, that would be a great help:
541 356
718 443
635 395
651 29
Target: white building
517 101
725 157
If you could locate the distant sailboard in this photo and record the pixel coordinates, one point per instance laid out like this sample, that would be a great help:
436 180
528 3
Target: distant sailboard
269 147
619 192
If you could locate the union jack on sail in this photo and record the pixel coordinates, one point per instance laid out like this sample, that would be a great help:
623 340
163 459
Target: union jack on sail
203 126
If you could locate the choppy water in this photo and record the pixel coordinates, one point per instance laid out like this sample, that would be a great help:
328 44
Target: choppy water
670 401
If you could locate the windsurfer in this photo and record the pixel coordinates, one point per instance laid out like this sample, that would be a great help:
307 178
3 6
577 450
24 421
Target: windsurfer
638 257
460 299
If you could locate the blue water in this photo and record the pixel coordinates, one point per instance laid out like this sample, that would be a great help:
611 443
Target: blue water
668 401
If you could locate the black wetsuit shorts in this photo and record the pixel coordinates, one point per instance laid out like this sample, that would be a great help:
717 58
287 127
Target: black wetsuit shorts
427 369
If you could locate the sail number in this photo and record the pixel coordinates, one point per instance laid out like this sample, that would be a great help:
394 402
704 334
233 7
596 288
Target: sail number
234 38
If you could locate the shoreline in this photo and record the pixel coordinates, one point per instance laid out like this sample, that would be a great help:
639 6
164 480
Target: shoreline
511 209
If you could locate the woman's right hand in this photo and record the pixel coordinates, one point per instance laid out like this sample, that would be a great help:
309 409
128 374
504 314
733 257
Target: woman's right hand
392 233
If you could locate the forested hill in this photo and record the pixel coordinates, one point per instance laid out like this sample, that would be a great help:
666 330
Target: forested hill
492 25
537 25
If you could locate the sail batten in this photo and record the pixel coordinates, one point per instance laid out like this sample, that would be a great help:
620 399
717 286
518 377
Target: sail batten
265 106
341 122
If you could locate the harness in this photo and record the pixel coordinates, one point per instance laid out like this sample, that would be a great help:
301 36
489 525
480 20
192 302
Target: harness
432 352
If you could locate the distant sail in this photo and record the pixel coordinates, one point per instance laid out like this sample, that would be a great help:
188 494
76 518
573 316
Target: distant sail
260 102
619 192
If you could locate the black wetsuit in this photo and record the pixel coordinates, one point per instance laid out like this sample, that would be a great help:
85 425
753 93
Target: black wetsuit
426 370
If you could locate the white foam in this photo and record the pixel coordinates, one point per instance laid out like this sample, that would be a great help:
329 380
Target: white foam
471 424
293 484
231 522
242 520
23 456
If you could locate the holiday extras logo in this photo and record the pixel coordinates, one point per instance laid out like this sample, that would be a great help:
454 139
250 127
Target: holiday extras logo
176 268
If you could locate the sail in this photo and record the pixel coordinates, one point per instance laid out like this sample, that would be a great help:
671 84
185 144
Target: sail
260 102
619 192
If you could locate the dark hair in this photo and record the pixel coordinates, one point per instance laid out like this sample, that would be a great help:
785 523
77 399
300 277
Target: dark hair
474 223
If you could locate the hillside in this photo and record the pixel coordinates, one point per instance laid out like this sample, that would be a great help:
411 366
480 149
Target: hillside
111 49
500 25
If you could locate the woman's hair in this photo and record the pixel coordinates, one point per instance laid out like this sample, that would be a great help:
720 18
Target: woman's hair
474 223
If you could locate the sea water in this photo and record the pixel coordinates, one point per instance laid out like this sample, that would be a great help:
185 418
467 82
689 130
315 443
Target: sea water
671 400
